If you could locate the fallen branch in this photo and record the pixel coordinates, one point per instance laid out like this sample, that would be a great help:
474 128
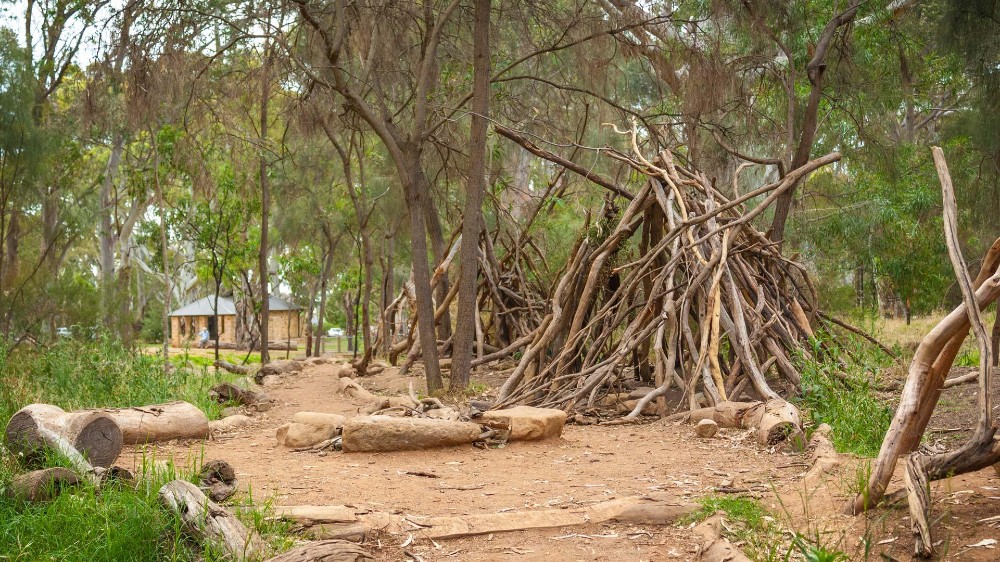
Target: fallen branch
208 522
325 551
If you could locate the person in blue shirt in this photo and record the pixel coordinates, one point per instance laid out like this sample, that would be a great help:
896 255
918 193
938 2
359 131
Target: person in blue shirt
203 338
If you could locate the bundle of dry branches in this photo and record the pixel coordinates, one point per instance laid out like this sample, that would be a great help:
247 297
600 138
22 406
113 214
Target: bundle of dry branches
511 302
709 300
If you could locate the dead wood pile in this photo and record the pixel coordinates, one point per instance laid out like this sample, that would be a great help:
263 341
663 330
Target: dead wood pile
925 380
704 304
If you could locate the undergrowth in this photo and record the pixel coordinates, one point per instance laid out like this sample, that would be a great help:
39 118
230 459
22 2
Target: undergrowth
76 374
750 527
119 521
839 386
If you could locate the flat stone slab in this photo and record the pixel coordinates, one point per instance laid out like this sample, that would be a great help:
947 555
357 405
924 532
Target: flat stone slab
528 423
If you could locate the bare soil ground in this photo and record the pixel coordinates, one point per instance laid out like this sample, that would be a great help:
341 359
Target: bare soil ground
588 464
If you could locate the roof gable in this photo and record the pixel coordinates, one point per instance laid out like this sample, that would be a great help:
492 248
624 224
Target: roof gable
206 307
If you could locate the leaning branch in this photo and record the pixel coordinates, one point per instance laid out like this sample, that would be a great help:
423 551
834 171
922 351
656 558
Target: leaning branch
572 166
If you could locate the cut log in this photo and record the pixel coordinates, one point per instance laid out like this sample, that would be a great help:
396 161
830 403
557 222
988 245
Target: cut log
277 368
93 434
344 520
633 509
706 428
388 433
207 521
354 532
233 368
42 485
309 515
160 422
824 456
526 423
354 390
218 480
402 403
776 420
229 392
325 551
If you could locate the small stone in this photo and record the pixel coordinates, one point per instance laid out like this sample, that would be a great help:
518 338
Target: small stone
706 428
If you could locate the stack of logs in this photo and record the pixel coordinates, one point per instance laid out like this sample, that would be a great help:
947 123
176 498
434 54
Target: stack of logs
90 440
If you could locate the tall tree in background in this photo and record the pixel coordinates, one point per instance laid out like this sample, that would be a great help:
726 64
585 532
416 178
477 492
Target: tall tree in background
265 197
472 224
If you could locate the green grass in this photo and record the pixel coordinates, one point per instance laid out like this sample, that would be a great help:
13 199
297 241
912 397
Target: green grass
74 374
969 357
844 396
198 360
750 527
118 522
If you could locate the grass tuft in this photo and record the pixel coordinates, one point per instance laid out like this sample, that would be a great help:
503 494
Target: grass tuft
843 394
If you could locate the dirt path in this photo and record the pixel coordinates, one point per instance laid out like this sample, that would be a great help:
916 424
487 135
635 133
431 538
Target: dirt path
589 464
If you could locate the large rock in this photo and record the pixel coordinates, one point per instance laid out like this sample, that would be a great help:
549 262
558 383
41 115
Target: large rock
309 428
527 423
389 433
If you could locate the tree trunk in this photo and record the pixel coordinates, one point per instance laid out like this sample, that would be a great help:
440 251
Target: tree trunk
325 551
810 120
472 218
415 187
164 249
388 290
265 206
158 422
324 277
107 238
96 435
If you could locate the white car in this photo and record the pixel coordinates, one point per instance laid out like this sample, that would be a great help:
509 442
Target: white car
63 332
335 332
